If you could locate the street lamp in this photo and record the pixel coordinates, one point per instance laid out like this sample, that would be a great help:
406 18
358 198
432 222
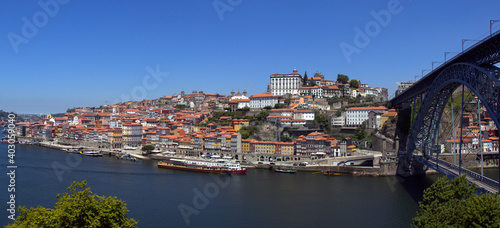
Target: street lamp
491 24
446 53
424 71
433 64
465 40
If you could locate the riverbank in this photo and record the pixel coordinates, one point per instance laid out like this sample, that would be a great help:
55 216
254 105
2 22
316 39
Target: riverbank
383 169
378 169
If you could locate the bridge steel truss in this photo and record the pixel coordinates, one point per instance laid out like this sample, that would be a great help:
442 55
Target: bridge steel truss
474 68
482 81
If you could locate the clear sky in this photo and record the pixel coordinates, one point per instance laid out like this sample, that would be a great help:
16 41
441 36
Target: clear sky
83 53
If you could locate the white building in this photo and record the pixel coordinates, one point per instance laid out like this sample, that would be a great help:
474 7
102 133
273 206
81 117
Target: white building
239 101
262 100
303 114
314 90
403 86
282 84
357 115
281 112
338 121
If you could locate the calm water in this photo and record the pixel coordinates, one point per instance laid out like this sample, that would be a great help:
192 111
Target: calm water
259 199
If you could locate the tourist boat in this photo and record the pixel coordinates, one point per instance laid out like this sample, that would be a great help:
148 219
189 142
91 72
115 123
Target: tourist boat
92 153
72 150
285 170
192 165
204 166
127 147
156 151
330 173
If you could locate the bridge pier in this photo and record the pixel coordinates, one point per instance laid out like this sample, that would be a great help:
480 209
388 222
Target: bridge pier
409 168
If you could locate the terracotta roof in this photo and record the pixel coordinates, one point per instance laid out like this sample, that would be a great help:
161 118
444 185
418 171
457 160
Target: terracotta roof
262 95
366 108
331 87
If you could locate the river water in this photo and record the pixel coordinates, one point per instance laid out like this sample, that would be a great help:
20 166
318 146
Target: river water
166 198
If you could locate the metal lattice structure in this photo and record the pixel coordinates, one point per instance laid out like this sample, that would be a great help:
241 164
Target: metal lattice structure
474 68
483 82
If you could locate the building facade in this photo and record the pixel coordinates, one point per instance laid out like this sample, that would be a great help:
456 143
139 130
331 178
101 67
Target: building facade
262 100
357 115
282 84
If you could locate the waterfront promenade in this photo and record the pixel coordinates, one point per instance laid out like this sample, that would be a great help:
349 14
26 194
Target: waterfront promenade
339 164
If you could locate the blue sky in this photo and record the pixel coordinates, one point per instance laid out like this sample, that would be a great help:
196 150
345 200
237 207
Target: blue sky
88 52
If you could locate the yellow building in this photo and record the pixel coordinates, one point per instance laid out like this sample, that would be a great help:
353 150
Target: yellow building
245 146
286 148
239 123
115 137
354 93
265 147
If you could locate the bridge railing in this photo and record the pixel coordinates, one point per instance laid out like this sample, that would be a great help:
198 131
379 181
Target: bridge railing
485 180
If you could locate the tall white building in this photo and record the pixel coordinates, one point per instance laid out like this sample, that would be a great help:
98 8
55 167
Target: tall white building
282 84
357 115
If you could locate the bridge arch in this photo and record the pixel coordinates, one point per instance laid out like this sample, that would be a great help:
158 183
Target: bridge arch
483 82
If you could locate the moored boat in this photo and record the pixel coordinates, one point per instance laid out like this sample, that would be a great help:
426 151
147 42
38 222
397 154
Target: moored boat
92 153
285 170
330 173
194 166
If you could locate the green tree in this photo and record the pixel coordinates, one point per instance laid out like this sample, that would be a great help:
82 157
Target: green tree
341 78
338 113
286 139
354 83
305 79
268 107
148 148
262 116
322 120
180 106
278 106
454 204
360 133
79 208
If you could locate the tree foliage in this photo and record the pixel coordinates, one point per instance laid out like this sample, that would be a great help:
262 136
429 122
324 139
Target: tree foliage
148 148
454 204
360 133
322 120
261 117
354 83
247 131
79 208
181 106
341 78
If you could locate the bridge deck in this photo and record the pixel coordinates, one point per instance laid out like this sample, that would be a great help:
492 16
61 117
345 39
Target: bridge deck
452 170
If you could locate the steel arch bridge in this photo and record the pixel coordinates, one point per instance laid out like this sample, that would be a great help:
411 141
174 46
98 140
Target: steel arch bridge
480 81
475 69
